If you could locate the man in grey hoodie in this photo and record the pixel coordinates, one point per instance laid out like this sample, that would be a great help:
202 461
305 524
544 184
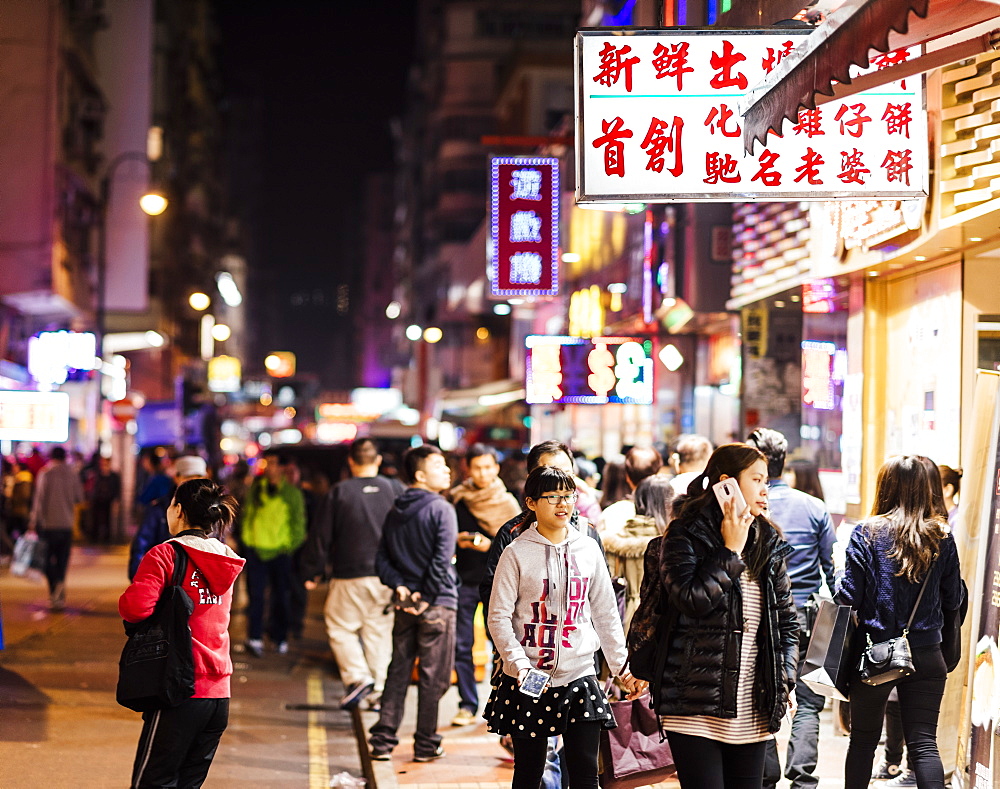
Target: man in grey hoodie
415 560
53 511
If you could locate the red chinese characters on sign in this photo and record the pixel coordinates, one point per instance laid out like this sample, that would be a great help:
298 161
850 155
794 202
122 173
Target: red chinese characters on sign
721 169
614 63
852 119
724 63
663 137
672 62
776 55
852 167
809 169
660 118
721 119
767 174
897 166
810 123
614 148
897 119
524 220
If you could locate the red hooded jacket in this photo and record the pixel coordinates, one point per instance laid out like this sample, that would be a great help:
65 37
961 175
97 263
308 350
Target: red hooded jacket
211 571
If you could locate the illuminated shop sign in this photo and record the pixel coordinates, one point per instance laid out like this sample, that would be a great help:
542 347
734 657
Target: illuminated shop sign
659 119
592 371
524 221
819 296
52 354
34 416
824 367
224 374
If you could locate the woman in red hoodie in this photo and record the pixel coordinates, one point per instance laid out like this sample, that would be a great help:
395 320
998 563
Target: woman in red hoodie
177 745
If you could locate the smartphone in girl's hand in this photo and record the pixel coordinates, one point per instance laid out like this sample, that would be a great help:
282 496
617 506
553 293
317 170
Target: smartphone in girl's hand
729 490
534 683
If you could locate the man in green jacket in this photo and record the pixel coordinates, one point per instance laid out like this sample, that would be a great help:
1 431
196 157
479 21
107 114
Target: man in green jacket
274 526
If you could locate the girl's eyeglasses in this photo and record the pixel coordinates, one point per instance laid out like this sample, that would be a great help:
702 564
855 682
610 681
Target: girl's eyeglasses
569 498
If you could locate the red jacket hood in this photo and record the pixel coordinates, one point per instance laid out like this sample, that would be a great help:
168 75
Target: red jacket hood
217 563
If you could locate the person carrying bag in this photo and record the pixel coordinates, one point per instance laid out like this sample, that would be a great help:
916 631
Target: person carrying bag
901 575
180 736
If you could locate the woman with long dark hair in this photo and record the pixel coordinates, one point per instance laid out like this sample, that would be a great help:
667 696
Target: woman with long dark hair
177 745
903 545
730 666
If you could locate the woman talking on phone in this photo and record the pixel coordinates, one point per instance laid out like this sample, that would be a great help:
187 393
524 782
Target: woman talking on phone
732 649
551 609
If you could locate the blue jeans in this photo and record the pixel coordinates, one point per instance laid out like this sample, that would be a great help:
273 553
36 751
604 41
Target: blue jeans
465 636
276 573
920 697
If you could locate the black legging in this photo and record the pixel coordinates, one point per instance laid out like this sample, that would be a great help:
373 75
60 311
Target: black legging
920 697
709 764
580 744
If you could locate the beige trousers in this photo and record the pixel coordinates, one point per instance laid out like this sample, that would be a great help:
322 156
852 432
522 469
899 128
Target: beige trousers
359 619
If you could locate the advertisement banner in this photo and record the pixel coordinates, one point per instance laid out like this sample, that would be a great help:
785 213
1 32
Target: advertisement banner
34 416
524 223
658 119
985 685
588 370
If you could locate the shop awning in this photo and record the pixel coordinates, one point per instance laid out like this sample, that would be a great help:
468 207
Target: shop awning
951 30
479 399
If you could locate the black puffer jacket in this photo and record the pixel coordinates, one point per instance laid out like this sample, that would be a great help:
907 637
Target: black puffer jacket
704 598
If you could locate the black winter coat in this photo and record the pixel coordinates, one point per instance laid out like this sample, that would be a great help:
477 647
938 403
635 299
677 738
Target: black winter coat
704 601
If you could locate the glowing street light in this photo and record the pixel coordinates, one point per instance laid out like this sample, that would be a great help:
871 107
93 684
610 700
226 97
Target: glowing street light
199 301
153 203
414 332
433 334
221 332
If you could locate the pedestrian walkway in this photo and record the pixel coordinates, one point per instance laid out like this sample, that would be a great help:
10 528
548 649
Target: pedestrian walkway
474 759
61 728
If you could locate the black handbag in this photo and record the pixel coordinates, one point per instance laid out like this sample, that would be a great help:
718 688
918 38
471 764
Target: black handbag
890 660
156 669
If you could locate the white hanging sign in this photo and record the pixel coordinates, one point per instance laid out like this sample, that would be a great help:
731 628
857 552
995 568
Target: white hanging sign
658 120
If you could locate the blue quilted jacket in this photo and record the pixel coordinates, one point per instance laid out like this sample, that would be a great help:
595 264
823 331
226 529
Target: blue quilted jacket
884 600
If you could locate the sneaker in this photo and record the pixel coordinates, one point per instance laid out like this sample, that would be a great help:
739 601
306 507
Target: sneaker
885 771
464 717
905 778
255 646
374 702
355 694
380 755
282 648
438 753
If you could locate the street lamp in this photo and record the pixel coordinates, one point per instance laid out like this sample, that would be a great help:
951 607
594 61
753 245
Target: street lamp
152 203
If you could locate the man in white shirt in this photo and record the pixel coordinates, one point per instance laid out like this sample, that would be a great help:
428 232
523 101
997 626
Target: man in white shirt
689 460
640 462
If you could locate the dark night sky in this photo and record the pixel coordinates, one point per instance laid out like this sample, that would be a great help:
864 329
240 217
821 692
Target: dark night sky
311 87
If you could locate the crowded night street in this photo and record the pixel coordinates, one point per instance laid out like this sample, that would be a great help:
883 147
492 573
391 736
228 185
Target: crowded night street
545 394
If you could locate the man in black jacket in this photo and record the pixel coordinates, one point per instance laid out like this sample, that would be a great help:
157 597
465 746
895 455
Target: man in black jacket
415 560
358 610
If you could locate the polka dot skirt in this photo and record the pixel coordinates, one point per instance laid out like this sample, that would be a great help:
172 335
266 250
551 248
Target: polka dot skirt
511 712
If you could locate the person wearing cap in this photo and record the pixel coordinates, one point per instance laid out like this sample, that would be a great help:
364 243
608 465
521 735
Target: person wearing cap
153 530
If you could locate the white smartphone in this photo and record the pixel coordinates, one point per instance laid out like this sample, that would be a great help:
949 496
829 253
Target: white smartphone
729 490
534 683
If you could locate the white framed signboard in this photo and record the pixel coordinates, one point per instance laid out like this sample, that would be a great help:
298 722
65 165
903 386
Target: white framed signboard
658 120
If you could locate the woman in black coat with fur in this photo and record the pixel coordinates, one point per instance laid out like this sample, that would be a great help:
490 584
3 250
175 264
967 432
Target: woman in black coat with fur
729 670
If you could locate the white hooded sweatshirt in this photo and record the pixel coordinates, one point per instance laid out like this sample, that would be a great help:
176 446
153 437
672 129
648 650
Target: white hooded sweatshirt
537 585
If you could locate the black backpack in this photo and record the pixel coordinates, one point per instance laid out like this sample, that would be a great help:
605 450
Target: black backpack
649 630
156 669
